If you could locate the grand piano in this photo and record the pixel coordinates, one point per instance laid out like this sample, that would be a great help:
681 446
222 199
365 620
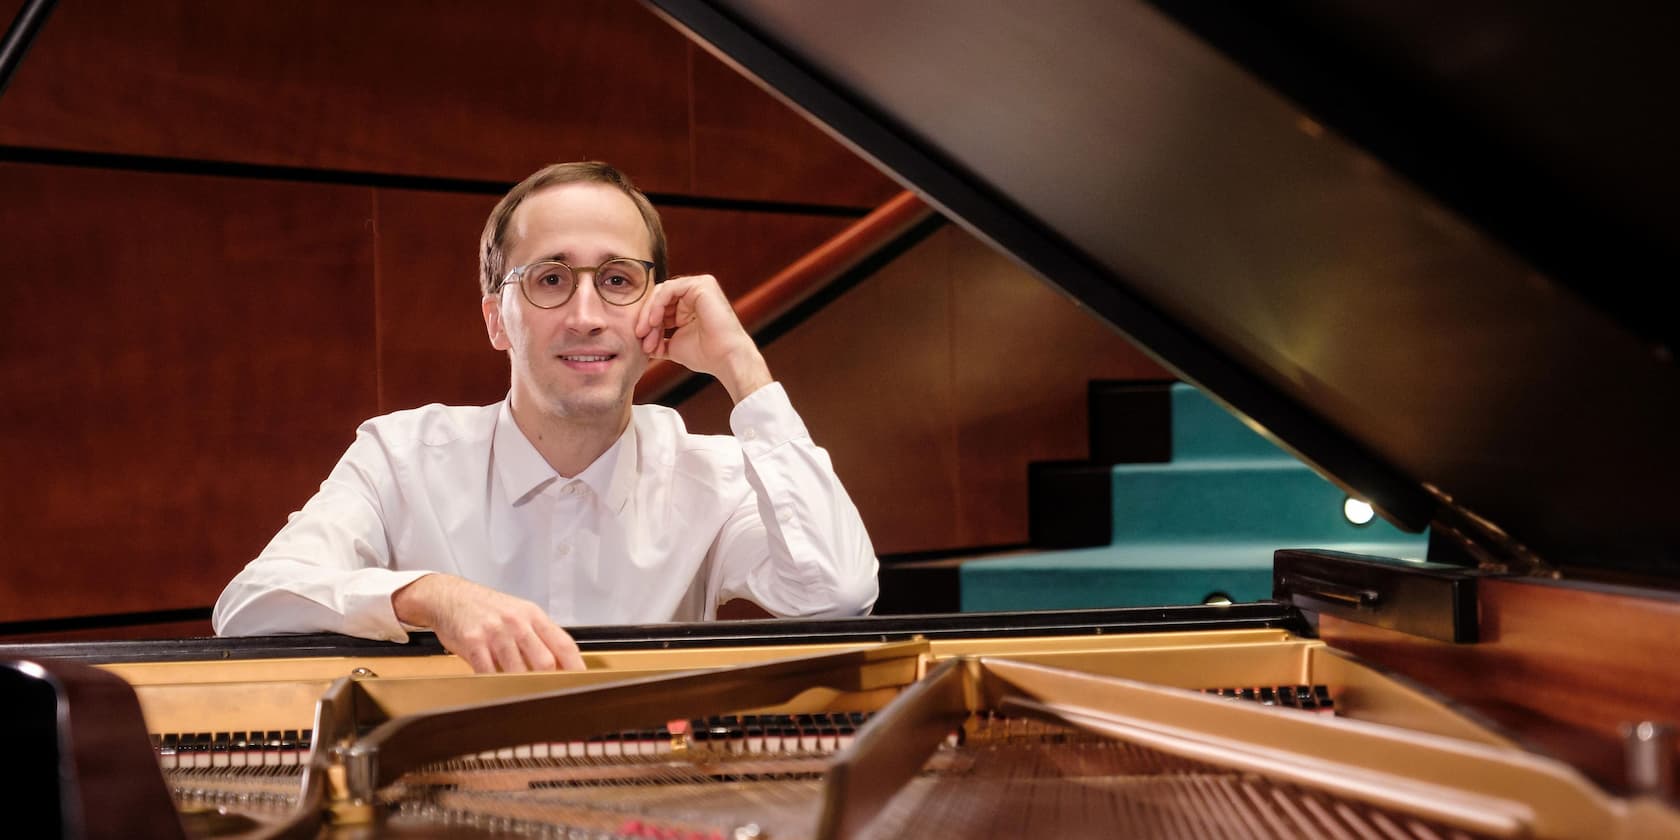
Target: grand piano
1411 245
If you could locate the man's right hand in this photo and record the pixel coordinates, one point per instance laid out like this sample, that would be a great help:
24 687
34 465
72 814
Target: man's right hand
492 630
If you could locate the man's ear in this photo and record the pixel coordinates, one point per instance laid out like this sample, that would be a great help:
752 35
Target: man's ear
492 306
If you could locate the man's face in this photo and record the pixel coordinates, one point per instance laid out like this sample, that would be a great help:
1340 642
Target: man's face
581 360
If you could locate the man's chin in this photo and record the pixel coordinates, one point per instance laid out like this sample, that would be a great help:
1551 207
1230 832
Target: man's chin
590 403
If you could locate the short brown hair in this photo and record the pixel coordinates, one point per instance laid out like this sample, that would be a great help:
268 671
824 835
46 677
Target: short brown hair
492 253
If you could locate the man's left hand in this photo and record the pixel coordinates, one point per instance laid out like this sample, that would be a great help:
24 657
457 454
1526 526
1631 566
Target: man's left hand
689 321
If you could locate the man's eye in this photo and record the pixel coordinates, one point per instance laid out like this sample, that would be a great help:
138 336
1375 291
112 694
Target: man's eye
615 279
550 280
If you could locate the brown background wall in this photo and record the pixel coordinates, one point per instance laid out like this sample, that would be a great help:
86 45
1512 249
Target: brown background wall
186 347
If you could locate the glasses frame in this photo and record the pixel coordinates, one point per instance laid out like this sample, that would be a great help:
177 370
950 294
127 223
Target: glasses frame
517 276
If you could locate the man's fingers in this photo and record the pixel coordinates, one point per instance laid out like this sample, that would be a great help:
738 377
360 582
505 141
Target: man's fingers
561 645
478 656
508 658
536 653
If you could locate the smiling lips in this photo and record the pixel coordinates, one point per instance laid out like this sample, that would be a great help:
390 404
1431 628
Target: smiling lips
587 362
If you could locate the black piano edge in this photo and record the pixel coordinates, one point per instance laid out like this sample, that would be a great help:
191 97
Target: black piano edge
675 636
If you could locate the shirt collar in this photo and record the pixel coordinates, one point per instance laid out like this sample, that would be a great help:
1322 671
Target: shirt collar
613 475
524 471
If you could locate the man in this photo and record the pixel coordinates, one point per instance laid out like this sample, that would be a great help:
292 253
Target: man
563 503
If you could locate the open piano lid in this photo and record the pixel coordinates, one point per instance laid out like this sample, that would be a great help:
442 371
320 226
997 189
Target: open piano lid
1420 246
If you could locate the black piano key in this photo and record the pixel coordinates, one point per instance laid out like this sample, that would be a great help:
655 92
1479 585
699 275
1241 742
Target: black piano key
1267 696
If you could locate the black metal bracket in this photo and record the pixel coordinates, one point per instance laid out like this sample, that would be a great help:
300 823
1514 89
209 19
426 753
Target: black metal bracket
1433 600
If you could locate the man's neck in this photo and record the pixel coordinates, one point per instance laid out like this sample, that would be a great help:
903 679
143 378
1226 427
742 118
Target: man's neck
568 444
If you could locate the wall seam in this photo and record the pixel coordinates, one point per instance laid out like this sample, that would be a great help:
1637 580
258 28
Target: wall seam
378 303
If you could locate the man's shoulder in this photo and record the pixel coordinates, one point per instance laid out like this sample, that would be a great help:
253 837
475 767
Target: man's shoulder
434 425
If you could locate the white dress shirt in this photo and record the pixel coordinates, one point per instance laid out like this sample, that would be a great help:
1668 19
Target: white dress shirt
664 526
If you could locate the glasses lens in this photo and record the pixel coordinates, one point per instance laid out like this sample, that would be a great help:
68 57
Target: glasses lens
548 284
621 281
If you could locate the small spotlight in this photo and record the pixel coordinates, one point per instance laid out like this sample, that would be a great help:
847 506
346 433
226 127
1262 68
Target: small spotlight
1357 511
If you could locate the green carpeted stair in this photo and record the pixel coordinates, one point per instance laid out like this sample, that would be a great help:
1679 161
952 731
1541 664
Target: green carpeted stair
1201 525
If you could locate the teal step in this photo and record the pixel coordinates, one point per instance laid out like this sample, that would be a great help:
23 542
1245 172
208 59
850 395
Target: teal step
1202 525
1203 430
1135 575
1260 500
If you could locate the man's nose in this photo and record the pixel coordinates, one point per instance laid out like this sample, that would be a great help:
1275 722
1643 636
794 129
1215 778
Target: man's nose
586 312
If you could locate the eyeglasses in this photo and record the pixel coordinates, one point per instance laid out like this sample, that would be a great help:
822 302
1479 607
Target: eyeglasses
548 284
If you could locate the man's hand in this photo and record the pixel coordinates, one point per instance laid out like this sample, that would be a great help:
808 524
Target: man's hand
493 631
689 321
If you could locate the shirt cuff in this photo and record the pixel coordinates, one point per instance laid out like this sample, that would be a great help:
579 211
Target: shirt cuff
367 605
766 420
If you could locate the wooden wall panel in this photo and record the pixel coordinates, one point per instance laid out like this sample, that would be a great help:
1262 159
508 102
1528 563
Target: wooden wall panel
747 144
935 383
182 359
461 89
432 344
458 89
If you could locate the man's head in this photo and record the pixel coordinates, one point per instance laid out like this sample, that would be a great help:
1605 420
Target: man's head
492 251
577 361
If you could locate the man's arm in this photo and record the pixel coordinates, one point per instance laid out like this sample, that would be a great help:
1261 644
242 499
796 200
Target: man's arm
796 546
330 569
492 630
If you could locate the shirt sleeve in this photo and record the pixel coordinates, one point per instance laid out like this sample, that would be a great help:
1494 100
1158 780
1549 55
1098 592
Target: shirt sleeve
796 545
329 568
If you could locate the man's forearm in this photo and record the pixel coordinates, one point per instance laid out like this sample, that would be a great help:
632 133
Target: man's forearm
743 373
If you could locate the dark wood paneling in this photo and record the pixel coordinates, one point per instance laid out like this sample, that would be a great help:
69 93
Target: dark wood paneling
462 89
432 344
1563 667
747 144
182 360
456 89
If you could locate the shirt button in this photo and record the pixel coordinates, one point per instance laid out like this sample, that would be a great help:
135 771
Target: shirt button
563 550
750 434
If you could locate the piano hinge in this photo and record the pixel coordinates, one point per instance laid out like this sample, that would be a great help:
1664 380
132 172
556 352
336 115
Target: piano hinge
1493 550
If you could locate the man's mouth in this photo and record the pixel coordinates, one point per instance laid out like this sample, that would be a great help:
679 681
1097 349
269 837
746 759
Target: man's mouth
588 363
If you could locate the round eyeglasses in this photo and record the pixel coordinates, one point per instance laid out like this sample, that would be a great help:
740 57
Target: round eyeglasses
548 284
